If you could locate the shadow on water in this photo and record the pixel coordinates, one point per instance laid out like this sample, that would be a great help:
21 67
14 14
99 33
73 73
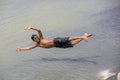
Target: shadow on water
82 60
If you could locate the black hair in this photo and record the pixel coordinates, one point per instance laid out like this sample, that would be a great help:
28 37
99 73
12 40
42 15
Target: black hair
32 37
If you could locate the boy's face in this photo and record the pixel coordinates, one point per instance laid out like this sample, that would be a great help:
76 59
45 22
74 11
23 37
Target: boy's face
36 39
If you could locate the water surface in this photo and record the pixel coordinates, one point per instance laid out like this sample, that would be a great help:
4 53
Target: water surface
59 18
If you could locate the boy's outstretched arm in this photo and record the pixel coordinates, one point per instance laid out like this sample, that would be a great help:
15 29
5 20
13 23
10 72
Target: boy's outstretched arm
36 29
27 48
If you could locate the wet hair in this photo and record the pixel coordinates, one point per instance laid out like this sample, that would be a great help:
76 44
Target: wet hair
32 37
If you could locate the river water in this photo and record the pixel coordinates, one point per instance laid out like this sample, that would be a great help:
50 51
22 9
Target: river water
59 18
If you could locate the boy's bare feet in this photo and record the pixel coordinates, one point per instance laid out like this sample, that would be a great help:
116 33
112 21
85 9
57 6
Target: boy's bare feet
86 35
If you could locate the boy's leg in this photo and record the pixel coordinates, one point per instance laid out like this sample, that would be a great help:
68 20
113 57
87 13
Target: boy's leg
80 37
74 42
84 37
76 39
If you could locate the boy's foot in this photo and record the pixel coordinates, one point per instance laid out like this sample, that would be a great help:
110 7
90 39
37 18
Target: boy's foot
88 35
85 38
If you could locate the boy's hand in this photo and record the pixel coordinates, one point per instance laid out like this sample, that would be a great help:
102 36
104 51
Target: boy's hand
18 49
28 28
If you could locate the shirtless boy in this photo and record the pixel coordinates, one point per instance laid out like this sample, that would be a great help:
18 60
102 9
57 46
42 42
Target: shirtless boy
59 42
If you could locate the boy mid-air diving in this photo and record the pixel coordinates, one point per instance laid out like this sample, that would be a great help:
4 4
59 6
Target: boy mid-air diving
59 42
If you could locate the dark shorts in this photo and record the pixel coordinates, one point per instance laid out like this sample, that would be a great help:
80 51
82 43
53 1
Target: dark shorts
62 42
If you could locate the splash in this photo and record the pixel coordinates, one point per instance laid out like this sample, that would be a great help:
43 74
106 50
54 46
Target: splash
106 74
118 76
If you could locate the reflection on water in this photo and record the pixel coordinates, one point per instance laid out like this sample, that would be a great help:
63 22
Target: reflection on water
55 19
